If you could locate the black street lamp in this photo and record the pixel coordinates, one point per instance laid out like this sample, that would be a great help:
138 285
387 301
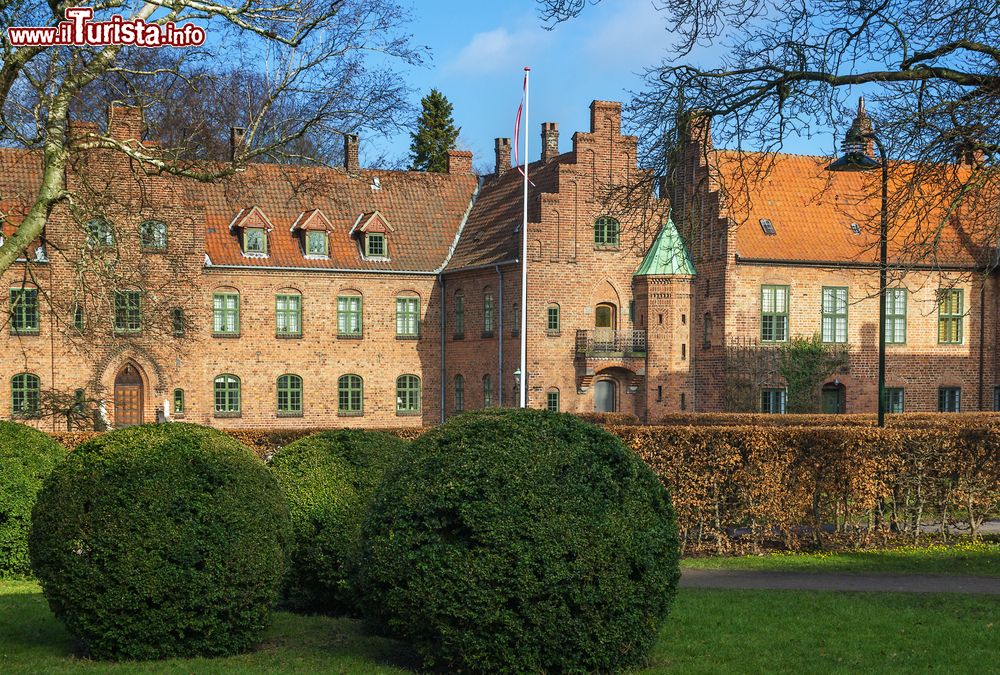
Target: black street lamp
856 159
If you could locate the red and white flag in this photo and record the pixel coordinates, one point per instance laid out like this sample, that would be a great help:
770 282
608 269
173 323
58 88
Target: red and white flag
517 130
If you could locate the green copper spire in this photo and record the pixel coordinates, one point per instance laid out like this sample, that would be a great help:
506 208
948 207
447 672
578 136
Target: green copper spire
667 255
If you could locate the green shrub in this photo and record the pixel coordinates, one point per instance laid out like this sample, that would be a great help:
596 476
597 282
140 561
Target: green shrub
160 541
329 479
27 456
521 541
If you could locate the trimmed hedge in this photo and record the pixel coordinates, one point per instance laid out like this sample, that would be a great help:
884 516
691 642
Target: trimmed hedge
161 541
748 488
27 457
520 541
929 420
329 479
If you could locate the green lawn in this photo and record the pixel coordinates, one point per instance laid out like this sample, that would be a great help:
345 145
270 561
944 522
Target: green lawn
709 631
973 558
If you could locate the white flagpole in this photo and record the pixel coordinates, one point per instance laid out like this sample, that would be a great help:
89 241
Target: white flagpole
524 256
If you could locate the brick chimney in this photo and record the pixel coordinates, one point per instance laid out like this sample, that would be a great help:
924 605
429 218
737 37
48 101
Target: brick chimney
351 162
550 141
502 146
125 122
236 137
459 161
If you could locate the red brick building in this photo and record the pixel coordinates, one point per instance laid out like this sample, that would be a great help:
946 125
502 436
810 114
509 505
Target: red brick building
295 296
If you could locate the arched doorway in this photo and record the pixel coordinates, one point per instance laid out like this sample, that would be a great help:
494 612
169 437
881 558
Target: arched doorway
605 396
833 398
128 396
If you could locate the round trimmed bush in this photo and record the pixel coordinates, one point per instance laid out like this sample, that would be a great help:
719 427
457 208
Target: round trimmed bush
329 479
161 541
27 456
520 541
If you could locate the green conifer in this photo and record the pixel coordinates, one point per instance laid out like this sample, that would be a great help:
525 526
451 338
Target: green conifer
435 135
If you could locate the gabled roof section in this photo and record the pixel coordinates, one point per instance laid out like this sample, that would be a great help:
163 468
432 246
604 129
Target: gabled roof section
667 256
251 217
372 222
314 219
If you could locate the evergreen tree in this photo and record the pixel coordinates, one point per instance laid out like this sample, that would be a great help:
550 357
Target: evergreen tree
435 135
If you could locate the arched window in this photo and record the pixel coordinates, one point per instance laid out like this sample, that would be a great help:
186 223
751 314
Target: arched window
407 394
153 235
288 314
459 315
487 391
606 230
290 396
178 322
459 393
76 316
227 396
178 403
24 395
99 232
24 312
552 318
552 400
349 315
350 395
408 316
487 313
128 311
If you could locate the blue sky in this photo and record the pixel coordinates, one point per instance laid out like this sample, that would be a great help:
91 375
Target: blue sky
480 48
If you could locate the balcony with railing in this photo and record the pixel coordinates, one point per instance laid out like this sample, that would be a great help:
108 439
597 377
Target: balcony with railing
604 343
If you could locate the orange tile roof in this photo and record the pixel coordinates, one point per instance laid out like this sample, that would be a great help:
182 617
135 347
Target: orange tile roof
425 209
812 211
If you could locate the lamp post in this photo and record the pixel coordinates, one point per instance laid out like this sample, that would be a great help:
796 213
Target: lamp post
855 159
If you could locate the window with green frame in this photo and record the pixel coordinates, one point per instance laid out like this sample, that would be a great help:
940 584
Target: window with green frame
834 310
552 319
288 314
317 242
774 313
25 393
894 399
407 317
99 232
895 315
24 311
459 315
76 316
153 235
128 311
225 313
407 394
349 315
290 396
950 399
227 396
552 400
487 314
950 316
255 240
375 245
178 402
459 393
772 401
606 231
350 395
487 391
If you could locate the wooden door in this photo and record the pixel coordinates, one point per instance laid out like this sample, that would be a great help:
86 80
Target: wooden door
128 397
604 396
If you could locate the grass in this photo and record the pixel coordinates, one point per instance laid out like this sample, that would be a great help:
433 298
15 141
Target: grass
709 631
969 559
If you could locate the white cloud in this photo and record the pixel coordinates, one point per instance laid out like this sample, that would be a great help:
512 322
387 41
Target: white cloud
496 50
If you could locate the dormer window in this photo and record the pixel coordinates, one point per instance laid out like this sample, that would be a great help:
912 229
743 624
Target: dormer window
255 240
372 232
375 245
251 227
317 243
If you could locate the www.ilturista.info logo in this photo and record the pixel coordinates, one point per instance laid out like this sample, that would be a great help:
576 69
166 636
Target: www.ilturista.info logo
79 28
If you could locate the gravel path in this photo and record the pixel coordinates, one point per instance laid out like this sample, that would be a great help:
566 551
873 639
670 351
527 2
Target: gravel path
877 583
